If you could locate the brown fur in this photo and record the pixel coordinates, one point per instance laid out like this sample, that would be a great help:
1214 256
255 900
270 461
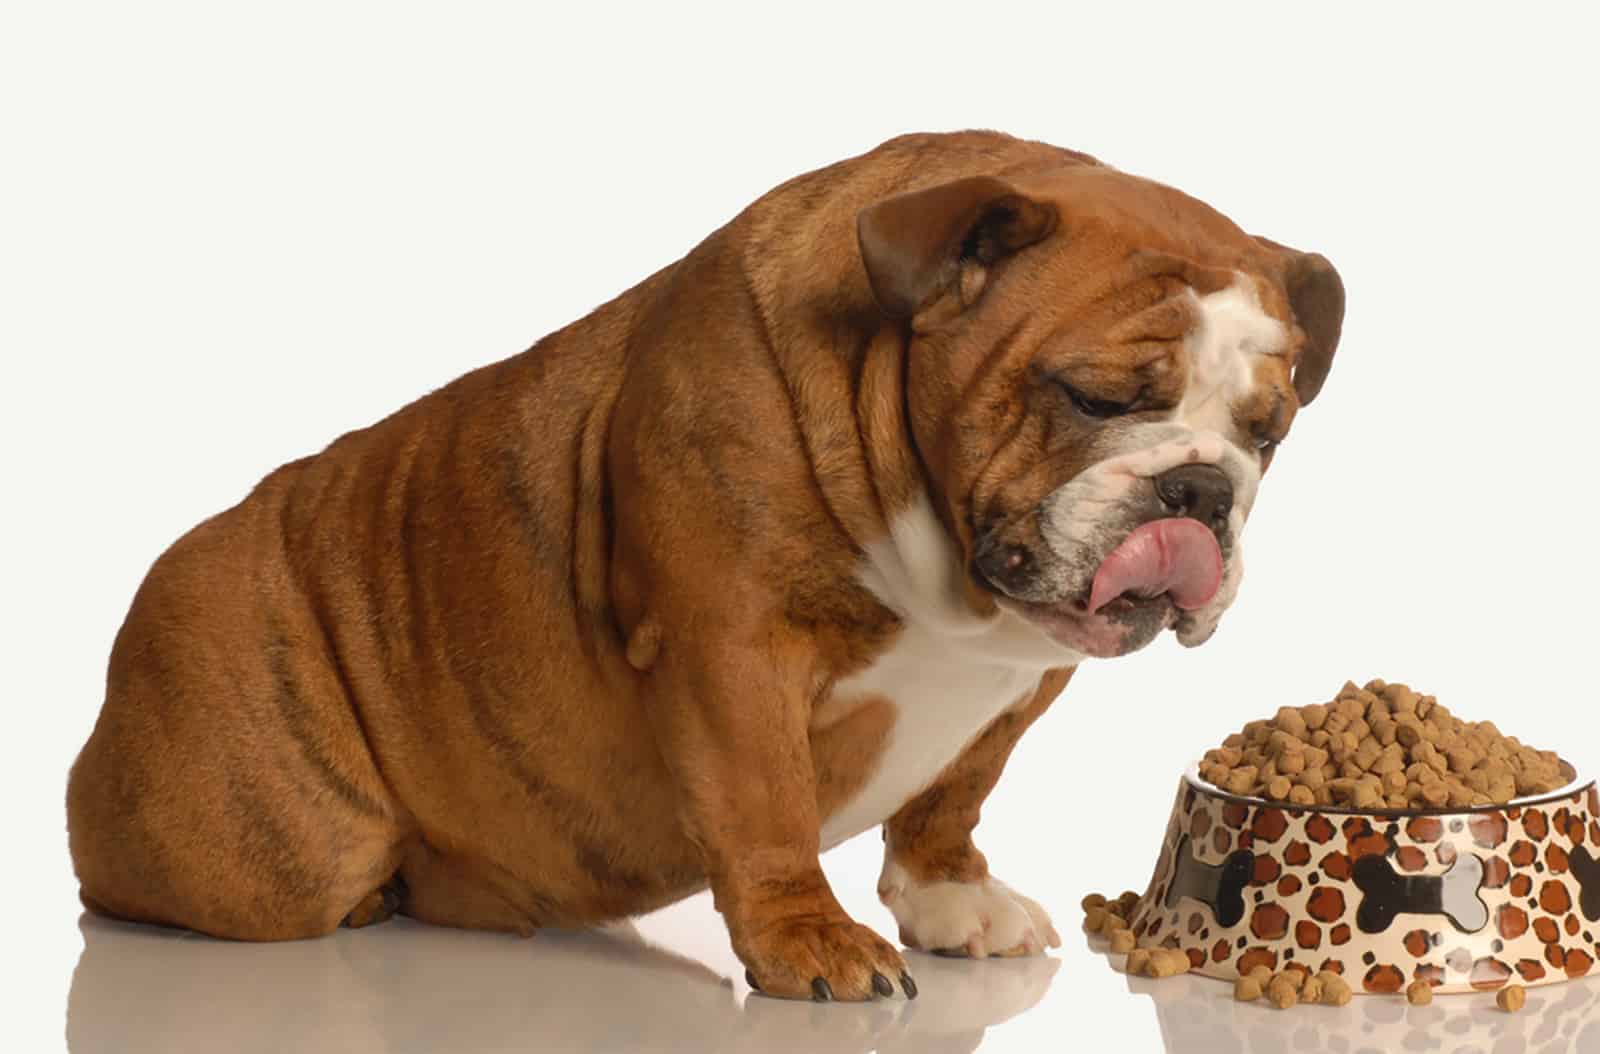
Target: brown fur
551 643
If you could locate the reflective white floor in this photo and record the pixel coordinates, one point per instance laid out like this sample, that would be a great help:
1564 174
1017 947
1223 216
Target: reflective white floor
670 984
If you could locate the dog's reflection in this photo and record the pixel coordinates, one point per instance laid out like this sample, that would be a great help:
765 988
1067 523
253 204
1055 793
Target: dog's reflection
403 987
1199 1015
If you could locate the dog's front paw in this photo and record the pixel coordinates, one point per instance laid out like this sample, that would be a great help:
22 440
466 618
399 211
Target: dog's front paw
823 959
976 919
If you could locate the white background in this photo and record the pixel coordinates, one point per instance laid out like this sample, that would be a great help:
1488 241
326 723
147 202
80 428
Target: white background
230 232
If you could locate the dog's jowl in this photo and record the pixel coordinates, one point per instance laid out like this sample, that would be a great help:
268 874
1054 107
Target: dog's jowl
792 540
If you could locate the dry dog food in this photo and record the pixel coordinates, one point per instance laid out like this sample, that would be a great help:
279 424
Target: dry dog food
1511 998
1379 746
1285 989
1109 919
1336 991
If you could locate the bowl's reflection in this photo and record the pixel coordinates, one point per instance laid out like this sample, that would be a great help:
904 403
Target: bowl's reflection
1199 1015
404 986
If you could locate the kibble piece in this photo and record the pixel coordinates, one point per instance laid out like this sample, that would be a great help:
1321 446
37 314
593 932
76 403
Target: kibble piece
1242 780
1122 942
1293 978
1094 918
1278 789
1093 900
1282 994
1168 962
1246 990
1511 998
1292 721
1138 961
1111 924
1261 975
1335 991
1419 993
1311 991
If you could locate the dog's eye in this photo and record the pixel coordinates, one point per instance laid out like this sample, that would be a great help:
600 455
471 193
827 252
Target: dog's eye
1089 406
1265 443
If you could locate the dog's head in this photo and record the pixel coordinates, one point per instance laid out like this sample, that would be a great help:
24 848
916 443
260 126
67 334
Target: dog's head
1100 371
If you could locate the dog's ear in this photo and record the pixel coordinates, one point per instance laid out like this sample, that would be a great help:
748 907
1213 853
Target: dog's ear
919 245
1316 296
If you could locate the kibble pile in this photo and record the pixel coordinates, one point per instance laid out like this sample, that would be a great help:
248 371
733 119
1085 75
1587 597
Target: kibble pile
1375 747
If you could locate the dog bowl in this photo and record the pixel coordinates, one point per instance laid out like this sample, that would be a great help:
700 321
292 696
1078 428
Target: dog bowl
1465 899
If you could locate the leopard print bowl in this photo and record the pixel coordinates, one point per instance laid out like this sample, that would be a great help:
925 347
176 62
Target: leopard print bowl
1468 899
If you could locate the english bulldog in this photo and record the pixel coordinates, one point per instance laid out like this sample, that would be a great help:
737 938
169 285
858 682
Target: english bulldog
791 540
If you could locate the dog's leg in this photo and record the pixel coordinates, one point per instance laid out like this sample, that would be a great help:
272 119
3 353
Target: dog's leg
935 880
732 719
378 906
228 788
457 891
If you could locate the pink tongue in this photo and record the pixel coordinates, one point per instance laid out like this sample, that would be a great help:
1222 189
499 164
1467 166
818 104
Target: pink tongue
1179 557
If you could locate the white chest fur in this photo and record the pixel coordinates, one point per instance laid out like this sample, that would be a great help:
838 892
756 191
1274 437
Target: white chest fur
948 674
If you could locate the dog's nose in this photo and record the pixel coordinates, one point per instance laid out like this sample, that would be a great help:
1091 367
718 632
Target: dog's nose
1201 492
1006 565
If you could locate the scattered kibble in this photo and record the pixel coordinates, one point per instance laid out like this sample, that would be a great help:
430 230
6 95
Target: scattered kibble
1281 993
1311 991
1511 998
1247 989
1381 746
1138 961
1419 993
1122 942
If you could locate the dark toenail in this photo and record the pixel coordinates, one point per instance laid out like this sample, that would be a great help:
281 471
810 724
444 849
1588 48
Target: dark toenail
750 979
881 985
821 991
909 985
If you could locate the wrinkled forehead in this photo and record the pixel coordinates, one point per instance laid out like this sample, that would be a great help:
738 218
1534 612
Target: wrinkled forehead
1172 290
